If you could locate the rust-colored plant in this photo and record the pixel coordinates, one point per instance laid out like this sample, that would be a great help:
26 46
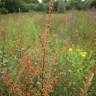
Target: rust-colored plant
87 84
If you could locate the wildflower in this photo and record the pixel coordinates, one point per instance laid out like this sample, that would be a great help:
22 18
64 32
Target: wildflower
83 54
35 63
70 49
38 83
70 71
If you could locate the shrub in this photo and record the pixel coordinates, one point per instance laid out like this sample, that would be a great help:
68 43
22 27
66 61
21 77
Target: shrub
3 11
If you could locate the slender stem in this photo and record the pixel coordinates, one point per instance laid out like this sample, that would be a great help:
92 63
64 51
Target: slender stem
44 41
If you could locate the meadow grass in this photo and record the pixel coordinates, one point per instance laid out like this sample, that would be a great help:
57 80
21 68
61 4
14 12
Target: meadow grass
71 48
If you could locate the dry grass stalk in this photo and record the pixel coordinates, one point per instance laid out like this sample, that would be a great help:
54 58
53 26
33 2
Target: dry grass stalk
87 84
43 40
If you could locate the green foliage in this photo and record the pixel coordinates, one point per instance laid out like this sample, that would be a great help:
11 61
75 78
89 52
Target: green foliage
31 1
45 1
18 5
76 4
34 5
61 6
3 11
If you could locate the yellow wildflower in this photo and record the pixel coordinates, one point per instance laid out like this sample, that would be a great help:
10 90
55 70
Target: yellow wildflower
70 49
83 54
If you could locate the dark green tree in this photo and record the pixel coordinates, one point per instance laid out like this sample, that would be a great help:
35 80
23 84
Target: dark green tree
87 4
76 4
61 5
45 1
34 5
45 5
31 1
55 6
13 5
93 4
19 5
3 10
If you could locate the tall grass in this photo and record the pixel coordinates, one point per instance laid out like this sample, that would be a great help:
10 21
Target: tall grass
57 61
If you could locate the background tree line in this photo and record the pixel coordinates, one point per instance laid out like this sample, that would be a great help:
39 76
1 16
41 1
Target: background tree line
10 6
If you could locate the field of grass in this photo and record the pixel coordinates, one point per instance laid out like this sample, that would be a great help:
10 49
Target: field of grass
70 54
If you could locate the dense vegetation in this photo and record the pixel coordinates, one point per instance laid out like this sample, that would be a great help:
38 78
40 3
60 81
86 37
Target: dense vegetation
10 6
70 49
47 54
